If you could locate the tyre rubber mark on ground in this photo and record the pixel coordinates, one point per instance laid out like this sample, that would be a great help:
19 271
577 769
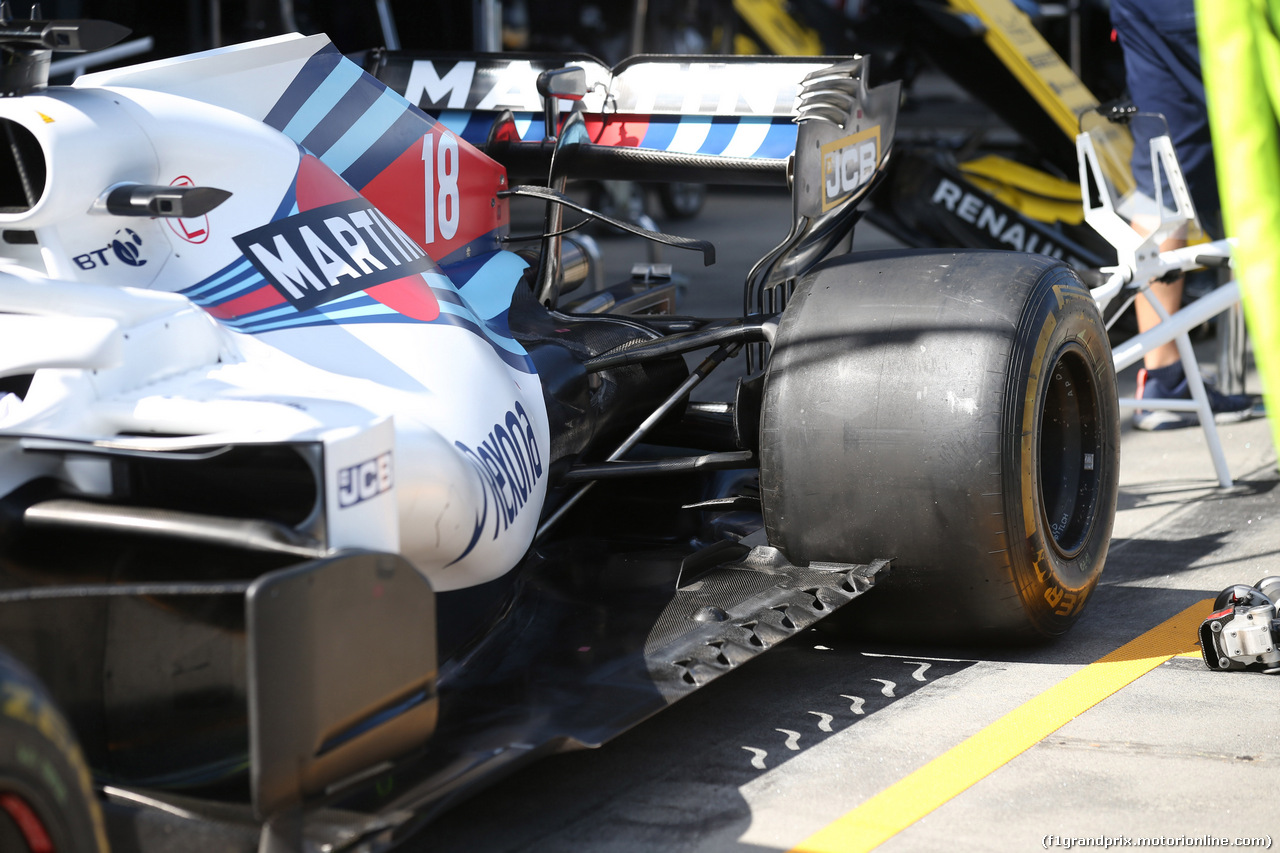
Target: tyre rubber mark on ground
857 701
757 757
824 720
793 739
918 675
905 802
887 690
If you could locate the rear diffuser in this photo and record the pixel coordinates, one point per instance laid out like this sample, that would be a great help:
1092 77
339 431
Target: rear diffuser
595 639
594 645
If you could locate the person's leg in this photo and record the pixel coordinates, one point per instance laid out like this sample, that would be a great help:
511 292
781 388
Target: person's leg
1162 71
1162 74
1169 294
1152 84
1162 375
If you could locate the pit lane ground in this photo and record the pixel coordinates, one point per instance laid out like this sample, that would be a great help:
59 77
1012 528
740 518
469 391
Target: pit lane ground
834 744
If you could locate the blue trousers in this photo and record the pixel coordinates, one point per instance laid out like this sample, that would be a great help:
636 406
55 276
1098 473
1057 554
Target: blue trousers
1162 70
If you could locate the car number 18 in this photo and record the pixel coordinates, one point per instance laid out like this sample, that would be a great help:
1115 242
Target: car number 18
442 208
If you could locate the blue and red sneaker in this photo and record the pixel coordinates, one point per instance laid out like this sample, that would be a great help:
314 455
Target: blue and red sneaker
1170 383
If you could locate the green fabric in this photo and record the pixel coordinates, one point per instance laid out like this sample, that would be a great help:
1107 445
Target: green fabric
1240 53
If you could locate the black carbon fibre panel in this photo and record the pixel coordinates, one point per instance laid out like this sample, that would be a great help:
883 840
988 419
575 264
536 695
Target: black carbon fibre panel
737 611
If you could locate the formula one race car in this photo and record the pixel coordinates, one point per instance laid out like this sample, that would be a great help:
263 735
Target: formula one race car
320 505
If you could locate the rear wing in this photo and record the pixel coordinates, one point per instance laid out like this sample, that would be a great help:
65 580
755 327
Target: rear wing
709 118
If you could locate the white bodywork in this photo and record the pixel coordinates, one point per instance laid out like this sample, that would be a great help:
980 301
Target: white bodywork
434 445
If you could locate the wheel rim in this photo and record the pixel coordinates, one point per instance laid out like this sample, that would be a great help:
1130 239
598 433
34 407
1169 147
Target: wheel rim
29 828
1070 452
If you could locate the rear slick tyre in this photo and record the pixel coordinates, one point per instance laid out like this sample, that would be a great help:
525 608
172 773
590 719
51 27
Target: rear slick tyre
46 794
955 411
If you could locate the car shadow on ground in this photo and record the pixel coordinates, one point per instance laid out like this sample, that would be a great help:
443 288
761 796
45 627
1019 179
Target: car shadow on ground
798 696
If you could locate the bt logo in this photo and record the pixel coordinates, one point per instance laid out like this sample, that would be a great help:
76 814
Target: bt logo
126 245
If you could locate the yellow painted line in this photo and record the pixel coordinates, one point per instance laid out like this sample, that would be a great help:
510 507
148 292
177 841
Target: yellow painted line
902 804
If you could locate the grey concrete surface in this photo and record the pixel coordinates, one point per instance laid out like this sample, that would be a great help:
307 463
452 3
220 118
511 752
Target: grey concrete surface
1179 751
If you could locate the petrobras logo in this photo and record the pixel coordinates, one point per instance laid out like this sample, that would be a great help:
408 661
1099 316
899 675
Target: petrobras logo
510 466
322 254
368 479
848 164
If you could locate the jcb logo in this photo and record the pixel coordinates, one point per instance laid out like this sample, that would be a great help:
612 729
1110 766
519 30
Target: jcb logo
367 480
848 164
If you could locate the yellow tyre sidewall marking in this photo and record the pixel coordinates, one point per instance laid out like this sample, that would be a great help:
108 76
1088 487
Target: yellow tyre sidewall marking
25 706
